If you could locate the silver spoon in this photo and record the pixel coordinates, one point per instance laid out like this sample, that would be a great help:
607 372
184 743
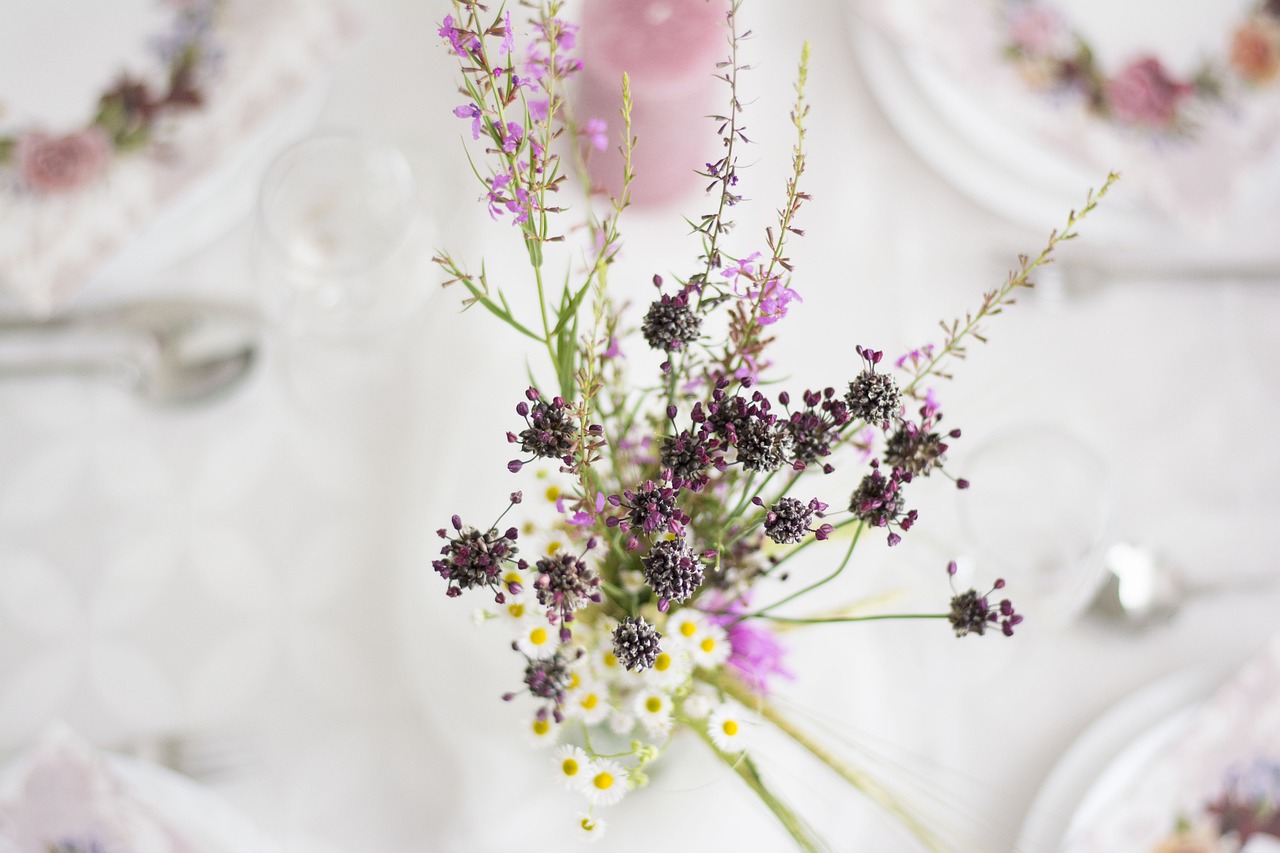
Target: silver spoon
1141 591
166 351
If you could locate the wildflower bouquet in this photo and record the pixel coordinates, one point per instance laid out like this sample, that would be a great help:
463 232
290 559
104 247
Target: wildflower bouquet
685 496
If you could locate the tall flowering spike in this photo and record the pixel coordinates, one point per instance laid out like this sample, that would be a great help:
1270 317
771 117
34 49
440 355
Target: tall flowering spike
635 643
787 521
565 584
878 501
672 570
873 396
551 432
671 323
473 559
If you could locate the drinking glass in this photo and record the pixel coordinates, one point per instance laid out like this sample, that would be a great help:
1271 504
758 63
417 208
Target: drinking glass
1036 513
333 251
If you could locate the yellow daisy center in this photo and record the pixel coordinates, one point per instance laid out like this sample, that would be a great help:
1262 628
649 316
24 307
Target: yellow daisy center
552 547
569 767
653 704
588 824
553 493
708 645
541 727
590 701
603 781
662 663
610 659
538 636
729 727
516 610
688 629
574 679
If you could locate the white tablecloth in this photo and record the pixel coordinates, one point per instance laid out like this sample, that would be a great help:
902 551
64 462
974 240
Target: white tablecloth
262 566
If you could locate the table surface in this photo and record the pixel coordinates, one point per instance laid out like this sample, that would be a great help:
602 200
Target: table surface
259 569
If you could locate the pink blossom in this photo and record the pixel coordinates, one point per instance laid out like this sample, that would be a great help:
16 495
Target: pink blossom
472 112
774 301
508 37
55 164
755 651
596 131
743 266
1036 29
1144 94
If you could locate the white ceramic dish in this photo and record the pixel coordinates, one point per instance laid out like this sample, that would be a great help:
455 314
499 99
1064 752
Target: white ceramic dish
1109 756
1019 177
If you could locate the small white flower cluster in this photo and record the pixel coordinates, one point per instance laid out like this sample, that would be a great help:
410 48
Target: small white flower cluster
615 721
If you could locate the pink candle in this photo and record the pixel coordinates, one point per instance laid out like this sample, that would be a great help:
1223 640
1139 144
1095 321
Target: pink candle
669 49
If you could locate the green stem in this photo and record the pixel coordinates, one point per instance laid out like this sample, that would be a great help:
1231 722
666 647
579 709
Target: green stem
843 563
748 773
823 620
861 782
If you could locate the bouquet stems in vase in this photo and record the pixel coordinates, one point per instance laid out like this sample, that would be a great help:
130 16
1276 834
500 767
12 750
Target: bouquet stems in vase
646 605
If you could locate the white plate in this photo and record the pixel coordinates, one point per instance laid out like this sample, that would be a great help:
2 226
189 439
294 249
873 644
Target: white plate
1016 175
1109 756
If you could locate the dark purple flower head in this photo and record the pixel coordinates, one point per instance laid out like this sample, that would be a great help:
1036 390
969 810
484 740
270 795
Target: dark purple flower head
473 559
688 456
548 679
650 508
972 613
878 501
635 643
872 396
565 583
814 428
918 448
551 432
671 323
672 570
747 425
787 521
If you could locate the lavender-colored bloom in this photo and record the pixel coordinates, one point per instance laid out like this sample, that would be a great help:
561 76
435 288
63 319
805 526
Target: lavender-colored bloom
755 651
1144 95
597 133
508 36
474 113
774 300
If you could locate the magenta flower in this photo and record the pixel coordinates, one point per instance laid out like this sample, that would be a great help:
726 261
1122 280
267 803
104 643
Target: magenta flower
511 139
754 650
743 266
1143 94
774 301
508 37
472 112
1036 29
57 164
454 35
597 133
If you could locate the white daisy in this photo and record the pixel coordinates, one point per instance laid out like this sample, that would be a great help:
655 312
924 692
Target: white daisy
604 663
712 647
591 828
587 701
571 763
726 726
653 708
684 629
669 670
621 723
606 782
697 705
537 638
542 732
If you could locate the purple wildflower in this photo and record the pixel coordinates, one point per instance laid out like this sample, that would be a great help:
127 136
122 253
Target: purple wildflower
651 508
565 584
878 501
741 267
672 570
508 35
755 651
816 427
550 432
971 613
473 559
474 113
787 521
597 133
873 397
774 300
